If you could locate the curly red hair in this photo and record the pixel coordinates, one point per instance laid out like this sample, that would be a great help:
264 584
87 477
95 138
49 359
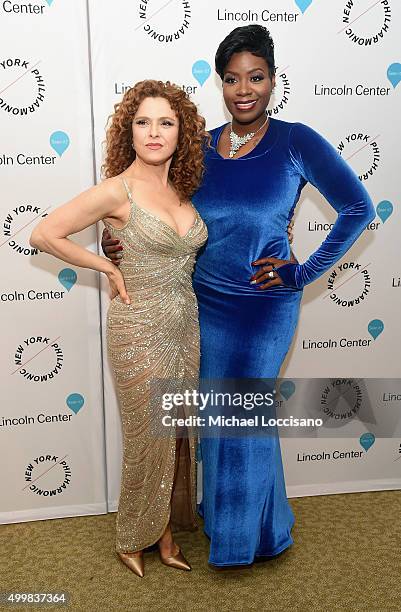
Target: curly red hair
187 165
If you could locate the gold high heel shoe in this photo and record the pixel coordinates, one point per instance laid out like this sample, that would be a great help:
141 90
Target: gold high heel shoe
135 564
177 561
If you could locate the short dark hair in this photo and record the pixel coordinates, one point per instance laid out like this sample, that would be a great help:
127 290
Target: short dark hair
253 38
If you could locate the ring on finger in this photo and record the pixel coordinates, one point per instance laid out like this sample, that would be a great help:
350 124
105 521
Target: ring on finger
270 274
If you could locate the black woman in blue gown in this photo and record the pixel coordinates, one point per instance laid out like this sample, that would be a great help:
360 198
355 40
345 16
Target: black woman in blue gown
249 287
247 198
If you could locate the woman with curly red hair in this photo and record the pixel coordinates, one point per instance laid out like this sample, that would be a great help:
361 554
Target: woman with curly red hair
154 150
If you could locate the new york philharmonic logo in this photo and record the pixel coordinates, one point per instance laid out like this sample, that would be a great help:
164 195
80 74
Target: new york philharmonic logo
164 21
281 93
47 475
365 22
22 87
17 225
349 284
366 148
38 358
341 399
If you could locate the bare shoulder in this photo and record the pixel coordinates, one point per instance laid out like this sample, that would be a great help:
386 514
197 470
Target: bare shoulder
113 189
116 194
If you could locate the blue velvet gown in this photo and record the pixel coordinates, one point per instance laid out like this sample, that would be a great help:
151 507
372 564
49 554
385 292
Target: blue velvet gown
247 204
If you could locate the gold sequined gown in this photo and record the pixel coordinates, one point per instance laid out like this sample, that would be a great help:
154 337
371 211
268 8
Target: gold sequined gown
156 337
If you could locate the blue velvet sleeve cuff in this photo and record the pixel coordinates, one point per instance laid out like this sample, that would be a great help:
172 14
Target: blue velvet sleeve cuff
288 274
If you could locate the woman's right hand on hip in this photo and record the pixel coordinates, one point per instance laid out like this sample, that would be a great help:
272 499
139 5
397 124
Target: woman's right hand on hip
117 285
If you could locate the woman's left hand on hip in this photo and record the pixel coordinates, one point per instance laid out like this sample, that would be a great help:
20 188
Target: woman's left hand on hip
269 271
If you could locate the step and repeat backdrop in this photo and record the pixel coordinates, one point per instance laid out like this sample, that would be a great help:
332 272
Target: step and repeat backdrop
52 450
62 66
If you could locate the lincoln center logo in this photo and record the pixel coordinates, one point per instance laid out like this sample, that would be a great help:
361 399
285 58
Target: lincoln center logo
24 9
164 22
22 87
365 23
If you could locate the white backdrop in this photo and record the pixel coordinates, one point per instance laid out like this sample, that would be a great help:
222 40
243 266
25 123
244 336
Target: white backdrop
52 451
340 87
338 71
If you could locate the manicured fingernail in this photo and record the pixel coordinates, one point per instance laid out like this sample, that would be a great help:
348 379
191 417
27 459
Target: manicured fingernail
119 255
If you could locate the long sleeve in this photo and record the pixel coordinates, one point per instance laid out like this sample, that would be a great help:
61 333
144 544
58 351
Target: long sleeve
320 164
